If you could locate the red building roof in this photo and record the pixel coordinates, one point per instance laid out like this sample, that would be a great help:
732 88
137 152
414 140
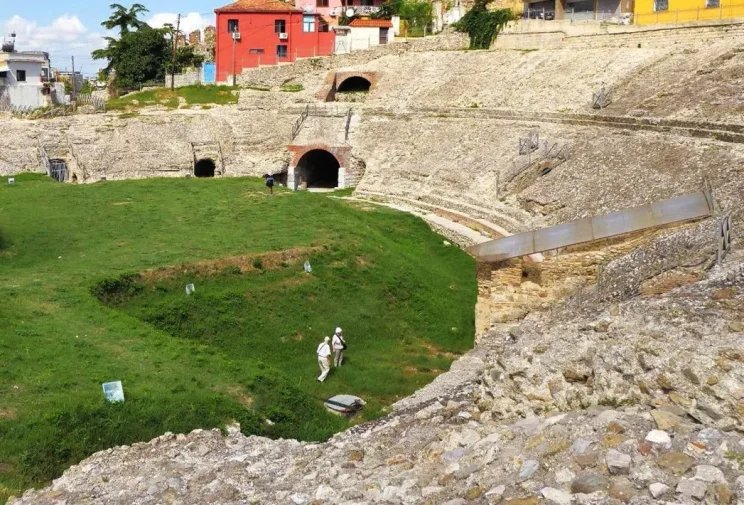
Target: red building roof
371 23
259 6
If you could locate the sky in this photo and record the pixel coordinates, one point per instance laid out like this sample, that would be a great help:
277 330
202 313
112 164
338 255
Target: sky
67 29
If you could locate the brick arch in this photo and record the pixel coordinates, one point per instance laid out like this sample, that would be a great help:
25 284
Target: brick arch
341 153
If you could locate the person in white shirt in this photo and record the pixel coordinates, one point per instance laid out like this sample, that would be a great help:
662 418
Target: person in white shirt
324 352
338 344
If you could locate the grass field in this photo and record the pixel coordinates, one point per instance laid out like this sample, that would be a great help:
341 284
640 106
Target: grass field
92 290
191 95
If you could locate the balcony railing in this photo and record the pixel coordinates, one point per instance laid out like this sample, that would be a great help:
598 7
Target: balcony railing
358 10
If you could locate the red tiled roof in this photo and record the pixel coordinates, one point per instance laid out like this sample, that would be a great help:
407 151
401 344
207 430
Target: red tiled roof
371 23
259 6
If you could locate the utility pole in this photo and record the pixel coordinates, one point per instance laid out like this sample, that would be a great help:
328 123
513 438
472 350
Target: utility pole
233 61
175 49
74 84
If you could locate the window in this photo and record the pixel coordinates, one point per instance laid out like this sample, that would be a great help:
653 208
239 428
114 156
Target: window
281 51
322 3
21 75
661 5
712 3
367 2
280 26
350 2
233 26
256 51
308 24
3 75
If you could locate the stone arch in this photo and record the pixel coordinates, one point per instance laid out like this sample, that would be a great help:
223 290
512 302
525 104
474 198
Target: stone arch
354 83
205 167
318 165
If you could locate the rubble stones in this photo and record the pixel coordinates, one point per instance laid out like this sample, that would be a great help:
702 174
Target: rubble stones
617 462
676 462
710 474
528 469
556 496
692 488
658 489
666 421
588 483
622 489
659 438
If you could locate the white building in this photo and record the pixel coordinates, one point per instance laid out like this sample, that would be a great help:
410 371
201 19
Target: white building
363 33
24 77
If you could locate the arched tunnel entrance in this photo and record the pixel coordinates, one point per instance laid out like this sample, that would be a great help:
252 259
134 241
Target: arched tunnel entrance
204 168
354 84
319 169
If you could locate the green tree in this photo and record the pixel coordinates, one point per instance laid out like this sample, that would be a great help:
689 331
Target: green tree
139 54
483 25
185 58
418 14
142 57
124 19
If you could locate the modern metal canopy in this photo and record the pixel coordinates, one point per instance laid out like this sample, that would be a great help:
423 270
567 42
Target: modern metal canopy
674 210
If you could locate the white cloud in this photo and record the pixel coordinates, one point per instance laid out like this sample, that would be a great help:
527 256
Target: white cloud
64 37
190 22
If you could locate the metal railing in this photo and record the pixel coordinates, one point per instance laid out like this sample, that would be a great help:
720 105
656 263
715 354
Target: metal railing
97 101
569 14
18 110
689 15
348 125
299 122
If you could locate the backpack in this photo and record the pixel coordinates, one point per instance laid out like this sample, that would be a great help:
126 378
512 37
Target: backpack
343 343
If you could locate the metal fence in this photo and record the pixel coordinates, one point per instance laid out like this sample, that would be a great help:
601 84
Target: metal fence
97 101
321 110
58 170
569 14
18 110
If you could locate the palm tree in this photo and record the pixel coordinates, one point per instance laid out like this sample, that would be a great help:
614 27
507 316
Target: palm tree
124 18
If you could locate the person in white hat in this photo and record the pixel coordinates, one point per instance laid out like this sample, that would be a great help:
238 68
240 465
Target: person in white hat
324 353
339 346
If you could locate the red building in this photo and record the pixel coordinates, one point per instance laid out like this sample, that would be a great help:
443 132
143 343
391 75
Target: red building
251 33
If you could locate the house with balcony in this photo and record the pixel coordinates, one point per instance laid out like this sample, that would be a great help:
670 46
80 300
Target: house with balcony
332 10
251 33
24 77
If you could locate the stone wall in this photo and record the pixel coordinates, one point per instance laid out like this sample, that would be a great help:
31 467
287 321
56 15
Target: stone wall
149 145
189 78
276 75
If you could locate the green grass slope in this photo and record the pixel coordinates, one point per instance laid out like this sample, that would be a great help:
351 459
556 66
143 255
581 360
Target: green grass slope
92 290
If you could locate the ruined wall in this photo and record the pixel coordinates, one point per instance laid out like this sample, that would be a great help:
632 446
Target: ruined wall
149 145
278 74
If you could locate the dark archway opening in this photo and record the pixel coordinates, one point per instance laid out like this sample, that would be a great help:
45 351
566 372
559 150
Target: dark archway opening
319 168
204 168
354 85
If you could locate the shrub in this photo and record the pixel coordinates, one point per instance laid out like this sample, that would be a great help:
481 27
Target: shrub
113 291
483 25
257 263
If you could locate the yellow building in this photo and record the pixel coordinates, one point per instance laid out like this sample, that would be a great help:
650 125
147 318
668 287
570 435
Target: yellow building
651 12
